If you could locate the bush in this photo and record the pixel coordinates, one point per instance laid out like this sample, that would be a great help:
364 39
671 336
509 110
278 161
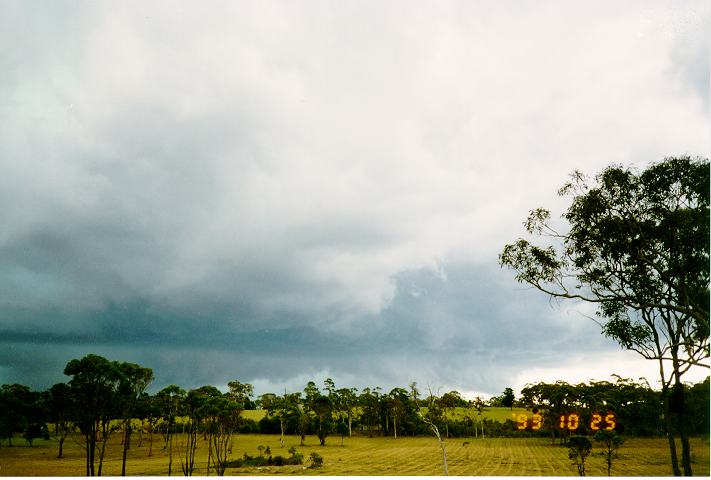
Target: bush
269 425
316 460
248 426
261 461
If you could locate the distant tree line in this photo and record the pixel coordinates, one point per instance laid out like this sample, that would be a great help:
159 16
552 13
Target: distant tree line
105 398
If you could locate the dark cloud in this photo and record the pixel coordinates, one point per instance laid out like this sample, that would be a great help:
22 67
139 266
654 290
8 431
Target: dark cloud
275 193
459 325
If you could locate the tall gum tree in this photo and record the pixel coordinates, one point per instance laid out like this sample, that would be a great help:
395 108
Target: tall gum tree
637 246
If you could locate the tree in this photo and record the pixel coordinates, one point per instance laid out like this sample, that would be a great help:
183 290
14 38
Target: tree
194 407
348 402
433 418
554 400
611 442
369 401
169 400
398 402
150 409
479 405
133 383
58 401
285 408
222 414
697 399
447 402
241 393
638 248
94 386
579 447
323 408
507 399
15 400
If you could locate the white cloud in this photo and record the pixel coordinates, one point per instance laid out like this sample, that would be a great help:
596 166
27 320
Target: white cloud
295 157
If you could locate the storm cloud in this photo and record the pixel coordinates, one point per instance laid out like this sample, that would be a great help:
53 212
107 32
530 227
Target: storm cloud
280 191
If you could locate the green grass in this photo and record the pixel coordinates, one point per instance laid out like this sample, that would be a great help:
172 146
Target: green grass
499 414
362 456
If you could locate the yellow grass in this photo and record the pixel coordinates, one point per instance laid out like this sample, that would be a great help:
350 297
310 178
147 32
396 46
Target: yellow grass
361 456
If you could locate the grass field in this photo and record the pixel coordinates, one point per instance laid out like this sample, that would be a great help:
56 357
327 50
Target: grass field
499 414
363 456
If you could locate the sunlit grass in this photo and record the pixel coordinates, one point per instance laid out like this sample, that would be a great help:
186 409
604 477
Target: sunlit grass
359 455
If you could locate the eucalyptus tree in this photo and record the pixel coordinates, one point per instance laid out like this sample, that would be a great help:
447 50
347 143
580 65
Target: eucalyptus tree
637 247
133 382
554 400
348 404
611 442
322 407
150 413
447 403
286 408
579 448
369 401
59 405
94 389
432 417
21 410
404 412
221 418
194 408
169 400
479 404
241 393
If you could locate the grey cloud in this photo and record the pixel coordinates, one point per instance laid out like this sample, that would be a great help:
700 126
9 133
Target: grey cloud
266 190
454 327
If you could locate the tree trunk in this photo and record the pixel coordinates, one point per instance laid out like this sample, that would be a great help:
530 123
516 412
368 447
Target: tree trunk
681 425
283 427
104 440
209 453
150 441
88 455
444 457
170 451
126 446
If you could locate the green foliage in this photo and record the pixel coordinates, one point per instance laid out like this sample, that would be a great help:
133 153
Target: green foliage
579 448
21 410
697 403
296 458
316 460
637 246
611 442
636 406
508 397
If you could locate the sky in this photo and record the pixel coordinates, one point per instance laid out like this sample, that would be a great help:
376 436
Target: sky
286 191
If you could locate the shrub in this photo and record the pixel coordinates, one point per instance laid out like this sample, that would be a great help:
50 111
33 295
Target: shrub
316 460
248 426
579 449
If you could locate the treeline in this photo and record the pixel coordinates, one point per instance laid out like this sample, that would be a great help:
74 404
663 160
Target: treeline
104 398
638 409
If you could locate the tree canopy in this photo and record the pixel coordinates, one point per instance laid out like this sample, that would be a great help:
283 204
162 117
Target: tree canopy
637 245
